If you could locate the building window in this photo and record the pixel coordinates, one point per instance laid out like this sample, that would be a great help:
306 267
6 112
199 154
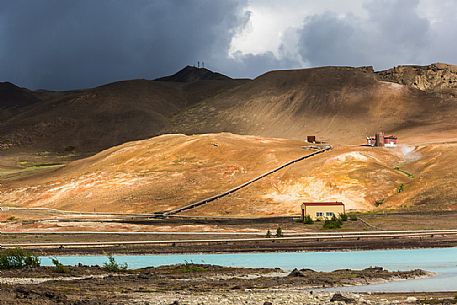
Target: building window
319 214
329 214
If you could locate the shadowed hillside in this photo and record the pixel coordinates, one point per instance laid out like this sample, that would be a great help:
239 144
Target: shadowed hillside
13 99
13 96
98 118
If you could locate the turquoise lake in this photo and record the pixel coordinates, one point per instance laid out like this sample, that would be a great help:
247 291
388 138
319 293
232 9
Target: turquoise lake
442 261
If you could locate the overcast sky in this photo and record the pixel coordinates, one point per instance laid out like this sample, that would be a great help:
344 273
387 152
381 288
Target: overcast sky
67 44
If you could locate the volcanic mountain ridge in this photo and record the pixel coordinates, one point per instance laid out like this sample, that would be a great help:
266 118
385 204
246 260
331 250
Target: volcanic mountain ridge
339 104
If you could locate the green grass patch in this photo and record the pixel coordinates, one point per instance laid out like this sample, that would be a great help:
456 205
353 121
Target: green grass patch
408 174
192 268
400 188
26 168
27 164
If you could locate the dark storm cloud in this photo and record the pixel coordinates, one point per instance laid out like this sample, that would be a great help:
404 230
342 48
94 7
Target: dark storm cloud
392 33
65 44
62 44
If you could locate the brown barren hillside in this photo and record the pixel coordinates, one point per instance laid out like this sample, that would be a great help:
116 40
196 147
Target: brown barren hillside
152 175
357 176
434 186
171 171
339 104
364 178
90 120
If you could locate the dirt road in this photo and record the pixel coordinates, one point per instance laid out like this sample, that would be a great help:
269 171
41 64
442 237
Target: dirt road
147 242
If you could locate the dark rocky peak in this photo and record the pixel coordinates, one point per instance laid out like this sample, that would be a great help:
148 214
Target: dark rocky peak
191 74
14 96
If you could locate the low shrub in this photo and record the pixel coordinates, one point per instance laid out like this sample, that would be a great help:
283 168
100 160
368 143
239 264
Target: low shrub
268 235
401 188
333 223
279 232
193 268
18 258
343 217
353 217
308 220
112 266
60 268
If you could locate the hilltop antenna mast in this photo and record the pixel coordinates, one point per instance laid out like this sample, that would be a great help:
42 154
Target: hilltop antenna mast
198 64
203 64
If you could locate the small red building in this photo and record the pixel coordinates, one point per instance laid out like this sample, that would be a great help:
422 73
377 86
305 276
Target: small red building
390 141
381 140
311 139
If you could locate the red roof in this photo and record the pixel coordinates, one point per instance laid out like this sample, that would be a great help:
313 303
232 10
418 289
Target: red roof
322 203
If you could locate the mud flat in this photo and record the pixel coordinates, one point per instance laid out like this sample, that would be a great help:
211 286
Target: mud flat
192 284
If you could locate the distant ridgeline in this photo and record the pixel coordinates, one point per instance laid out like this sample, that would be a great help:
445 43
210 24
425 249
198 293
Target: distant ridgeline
338 104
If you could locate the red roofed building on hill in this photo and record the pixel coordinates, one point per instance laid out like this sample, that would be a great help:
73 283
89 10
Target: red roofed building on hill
380 140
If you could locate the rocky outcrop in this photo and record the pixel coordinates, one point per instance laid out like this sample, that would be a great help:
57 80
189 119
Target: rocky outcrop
434 77
338 297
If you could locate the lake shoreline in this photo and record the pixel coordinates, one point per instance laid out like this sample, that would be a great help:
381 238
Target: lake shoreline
439 261
190 284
